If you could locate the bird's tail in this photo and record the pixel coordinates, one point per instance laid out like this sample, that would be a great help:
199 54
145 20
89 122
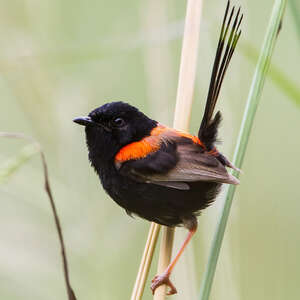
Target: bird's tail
229 36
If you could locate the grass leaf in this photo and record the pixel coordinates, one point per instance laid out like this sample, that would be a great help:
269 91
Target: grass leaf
296 14
249 114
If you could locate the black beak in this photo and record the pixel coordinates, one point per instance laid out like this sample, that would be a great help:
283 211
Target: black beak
83 121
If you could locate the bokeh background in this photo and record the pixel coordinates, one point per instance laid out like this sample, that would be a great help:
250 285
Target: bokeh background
61 59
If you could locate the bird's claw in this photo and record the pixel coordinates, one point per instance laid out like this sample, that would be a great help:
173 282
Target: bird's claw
159 280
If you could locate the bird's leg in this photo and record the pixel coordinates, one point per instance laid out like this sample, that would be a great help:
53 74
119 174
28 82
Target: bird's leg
164 278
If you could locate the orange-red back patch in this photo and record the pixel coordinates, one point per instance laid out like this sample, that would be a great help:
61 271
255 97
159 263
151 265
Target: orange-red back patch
141 149
151 143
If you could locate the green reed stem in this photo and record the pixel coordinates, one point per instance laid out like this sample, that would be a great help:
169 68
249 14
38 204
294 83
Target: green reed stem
242 142
295 10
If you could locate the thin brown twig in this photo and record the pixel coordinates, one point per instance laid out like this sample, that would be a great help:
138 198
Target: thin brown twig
71 294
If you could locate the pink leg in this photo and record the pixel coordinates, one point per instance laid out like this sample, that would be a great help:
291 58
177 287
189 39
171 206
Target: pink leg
164 278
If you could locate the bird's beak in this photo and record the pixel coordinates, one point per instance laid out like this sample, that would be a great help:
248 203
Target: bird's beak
83 121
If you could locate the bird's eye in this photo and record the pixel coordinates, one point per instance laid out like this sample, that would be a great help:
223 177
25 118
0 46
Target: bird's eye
118 122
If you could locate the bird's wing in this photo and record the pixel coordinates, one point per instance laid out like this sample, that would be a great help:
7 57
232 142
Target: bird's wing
175 160
194 165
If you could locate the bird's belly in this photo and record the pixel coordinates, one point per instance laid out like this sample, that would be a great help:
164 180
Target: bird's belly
163 205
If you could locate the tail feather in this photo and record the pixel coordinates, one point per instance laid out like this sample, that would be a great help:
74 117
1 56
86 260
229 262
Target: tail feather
209 127
209 135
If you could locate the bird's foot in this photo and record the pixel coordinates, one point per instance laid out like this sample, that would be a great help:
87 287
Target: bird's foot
159 280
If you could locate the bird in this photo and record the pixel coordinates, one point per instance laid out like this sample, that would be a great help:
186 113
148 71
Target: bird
159 173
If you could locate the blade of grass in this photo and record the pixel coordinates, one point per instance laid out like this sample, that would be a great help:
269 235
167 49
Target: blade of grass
249 114
296 14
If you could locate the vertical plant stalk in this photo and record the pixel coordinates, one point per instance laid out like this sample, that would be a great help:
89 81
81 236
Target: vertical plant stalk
296 14
145 264
185 91
249 114
36 148
188 65
181 121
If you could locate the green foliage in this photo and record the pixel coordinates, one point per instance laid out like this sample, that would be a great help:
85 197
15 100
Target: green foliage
295 9
244 135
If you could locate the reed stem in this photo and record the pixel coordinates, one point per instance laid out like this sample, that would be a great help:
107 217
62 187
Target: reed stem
145 264
185 91
183 109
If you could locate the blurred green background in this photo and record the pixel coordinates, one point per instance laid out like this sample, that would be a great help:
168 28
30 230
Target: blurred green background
61 59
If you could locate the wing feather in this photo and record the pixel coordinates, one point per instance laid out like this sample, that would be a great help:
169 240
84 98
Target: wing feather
193 166
178 161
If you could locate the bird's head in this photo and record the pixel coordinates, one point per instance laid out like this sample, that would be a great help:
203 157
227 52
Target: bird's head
111 126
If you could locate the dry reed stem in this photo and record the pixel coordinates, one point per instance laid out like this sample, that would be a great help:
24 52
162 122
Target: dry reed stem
153 10
183 109
139 285
188 64
165 254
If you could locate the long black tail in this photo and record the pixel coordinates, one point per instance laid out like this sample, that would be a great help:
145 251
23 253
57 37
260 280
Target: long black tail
209 127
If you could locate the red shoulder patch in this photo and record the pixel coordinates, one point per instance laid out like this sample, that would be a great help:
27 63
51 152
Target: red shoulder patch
142 148
151 143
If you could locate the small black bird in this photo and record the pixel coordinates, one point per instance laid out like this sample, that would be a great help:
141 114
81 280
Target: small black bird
158 173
